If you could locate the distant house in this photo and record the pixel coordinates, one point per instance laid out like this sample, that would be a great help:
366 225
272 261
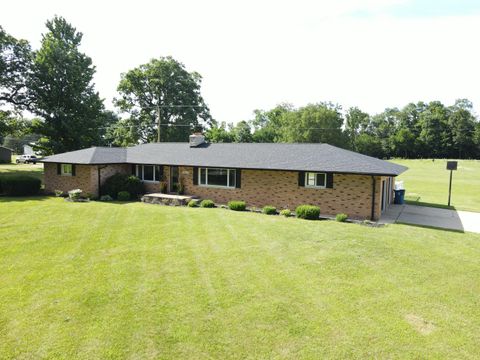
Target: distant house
283 175
5 155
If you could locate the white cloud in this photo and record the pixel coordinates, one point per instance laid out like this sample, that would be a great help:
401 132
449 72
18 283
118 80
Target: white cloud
256 54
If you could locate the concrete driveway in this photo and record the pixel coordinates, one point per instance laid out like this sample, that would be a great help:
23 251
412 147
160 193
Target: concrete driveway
428 216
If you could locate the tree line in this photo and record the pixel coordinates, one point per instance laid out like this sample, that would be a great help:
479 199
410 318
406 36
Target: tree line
162 101
421 130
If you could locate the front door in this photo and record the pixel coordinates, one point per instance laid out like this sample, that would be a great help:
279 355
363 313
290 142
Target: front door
173 178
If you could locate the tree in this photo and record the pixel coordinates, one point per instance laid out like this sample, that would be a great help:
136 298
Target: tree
15 66
462 128
267 125
356 122
434 135
219 134
163 87
62 92
242 133
314 123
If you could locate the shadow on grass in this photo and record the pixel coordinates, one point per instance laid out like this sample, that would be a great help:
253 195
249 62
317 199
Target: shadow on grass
429 204
5 198
431 227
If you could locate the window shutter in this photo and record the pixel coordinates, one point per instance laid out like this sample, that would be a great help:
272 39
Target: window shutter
59 169
134 170
73 169
330 180
160 172
238 178
301 178
195 175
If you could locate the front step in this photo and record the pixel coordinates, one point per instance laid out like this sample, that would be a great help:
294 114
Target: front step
167 199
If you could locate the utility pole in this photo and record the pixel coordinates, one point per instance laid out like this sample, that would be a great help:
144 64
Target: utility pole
158 119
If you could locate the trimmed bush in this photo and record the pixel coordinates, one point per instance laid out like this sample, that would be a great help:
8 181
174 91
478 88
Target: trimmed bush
75 194
122 182
58 193
134 186
106 198
237 205
286 213
123 196
20 185
269 210
308 212
207 204
193 203
341 217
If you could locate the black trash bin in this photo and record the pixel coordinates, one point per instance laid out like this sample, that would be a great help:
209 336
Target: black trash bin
399 196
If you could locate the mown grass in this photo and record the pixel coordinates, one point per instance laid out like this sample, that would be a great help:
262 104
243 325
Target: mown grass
111 280
25 169
426 183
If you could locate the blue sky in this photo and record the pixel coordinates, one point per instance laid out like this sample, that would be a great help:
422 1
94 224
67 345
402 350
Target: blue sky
255 54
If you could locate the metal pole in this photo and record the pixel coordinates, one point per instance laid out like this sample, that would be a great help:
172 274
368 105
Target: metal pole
450 187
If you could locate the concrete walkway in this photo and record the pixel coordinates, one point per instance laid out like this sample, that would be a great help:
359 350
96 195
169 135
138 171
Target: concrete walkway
428 216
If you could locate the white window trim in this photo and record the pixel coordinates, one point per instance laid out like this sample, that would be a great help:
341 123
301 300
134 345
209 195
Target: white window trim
143 172
215 186
63 173
316 186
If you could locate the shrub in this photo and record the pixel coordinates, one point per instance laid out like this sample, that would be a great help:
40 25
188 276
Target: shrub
207 204
106 198
341 217
134 186
193 203
308 212
237 205
20 185
122 182
58 193
286 213
269 210
123 196
75 194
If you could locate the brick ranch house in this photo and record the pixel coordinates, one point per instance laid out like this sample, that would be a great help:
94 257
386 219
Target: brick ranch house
282 175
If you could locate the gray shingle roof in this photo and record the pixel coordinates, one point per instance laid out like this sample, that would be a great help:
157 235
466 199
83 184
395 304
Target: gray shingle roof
297 157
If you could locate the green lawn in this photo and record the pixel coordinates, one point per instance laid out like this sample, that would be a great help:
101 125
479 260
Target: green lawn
111 280
27 169
426 182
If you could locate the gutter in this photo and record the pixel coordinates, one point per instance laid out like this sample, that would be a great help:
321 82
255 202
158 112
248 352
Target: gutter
374 181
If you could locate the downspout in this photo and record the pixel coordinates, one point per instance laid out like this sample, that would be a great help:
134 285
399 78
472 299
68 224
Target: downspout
372 217
99 168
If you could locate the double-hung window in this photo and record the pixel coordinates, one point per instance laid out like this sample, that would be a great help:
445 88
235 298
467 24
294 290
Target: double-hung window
217 177
316 180
66 169
148 172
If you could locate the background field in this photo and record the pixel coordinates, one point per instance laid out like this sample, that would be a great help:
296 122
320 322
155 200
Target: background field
130 280
426 183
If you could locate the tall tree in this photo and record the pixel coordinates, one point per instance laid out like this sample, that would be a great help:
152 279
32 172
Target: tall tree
356 122
462 128
62 91
218 133
15 65
434 134
164 88
314 123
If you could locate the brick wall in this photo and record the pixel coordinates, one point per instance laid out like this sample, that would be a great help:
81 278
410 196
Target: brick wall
351 194
86 177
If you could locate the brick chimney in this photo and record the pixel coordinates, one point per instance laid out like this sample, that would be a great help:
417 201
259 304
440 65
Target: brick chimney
196 139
